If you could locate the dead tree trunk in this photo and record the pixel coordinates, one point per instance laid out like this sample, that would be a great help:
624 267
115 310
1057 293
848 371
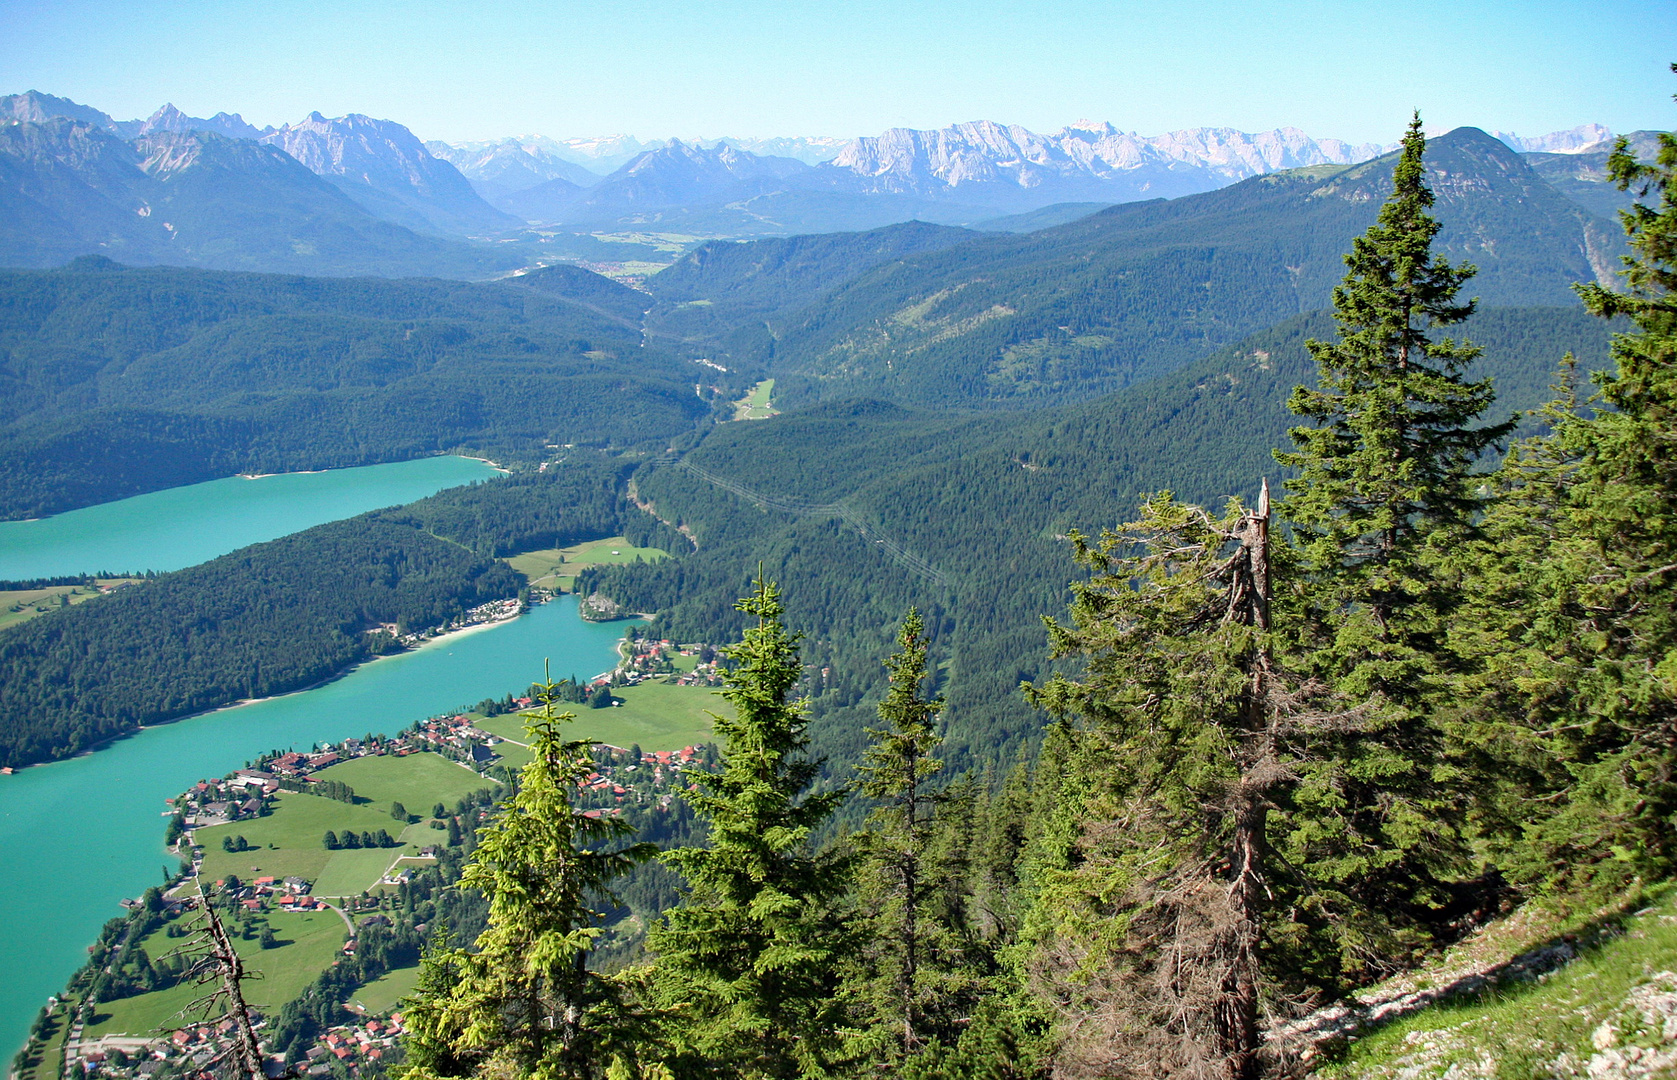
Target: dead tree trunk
216 961
245 1048
1249 599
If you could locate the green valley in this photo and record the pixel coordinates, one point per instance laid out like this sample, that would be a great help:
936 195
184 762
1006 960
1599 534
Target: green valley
1228 636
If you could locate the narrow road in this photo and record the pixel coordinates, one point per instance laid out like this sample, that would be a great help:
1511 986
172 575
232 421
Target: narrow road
72 1047
350 926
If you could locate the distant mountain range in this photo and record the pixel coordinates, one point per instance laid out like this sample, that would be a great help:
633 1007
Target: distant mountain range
1576 140
943 318
963 174
355 195
382 166
379 164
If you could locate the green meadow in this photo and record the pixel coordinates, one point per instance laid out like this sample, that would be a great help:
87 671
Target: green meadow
657 715
417 781
558 567
22 605
309 941
758 404
381 995
290 841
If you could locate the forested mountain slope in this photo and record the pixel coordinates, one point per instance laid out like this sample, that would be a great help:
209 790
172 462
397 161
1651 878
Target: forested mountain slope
1582 176
120 380
965 516
1072 312
724 285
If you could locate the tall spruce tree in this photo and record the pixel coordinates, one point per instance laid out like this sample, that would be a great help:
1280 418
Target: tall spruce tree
895 770
1389 466
1574 629
522 1002
748 962
1386 489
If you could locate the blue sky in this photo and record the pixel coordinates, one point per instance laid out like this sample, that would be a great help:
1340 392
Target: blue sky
652 68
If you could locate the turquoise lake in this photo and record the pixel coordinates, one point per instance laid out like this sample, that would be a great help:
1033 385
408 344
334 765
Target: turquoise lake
78 836
184 526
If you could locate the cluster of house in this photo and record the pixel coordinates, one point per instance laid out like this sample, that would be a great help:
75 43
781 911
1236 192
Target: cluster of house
618 780
287 894
453 737
669 762
650 659
202 1049
705 673
206 1038
494 611
353 1044
198 1050
216 802
240 795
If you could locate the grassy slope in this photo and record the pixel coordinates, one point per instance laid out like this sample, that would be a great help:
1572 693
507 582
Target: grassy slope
558 567
32 602
658 716
417 781
310 942
1549 1026
757 405
381 995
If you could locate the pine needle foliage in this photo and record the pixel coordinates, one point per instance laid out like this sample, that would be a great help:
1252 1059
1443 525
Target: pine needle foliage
1158 891
1574 631
747 964
895 769
522 1003
1389 464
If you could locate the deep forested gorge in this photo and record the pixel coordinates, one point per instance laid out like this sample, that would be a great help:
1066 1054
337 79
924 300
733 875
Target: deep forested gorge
982 502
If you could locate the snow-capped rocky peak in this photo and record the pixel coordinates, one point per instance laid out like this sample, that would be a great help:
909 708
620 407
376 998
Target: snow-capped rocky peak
1571 141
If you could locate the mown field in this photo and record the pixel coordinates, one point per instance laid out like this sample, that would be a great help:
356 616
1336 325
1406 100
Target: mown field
21 605
417 781
289 842
757 405
381 995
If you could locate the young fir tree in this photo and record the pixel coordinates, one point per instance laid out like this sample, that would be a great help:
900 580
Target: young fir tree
522 1002
1157 892
747 963
1575 621
894 770
1386 489
923 969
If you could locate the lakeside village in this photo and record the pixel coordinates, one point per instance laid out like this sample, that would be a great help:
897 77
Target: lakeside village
385 926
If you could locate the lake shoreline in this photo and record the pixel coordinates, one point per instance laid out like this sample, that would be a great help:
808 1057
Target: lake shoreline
175 527
107 742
